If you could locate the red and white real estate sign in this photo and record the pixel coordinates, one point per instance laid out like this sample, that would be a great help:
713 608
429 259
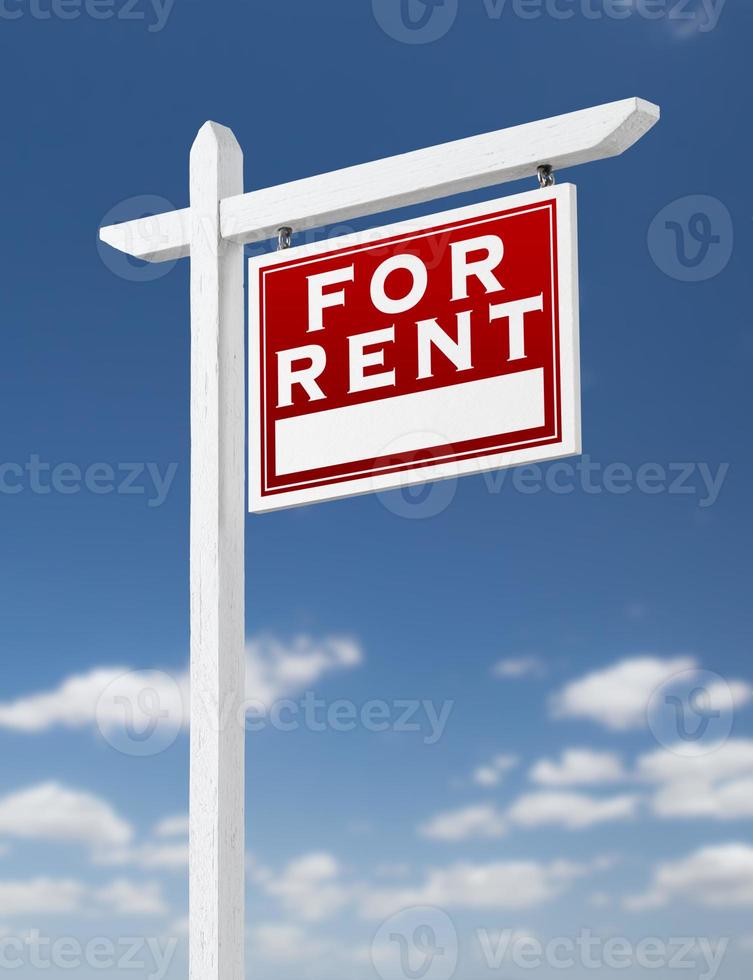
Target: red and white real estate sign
428 349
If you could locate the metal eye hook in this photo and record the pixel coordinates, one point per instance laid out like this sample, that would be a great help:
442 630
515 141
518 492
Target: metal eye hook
546 176
284 238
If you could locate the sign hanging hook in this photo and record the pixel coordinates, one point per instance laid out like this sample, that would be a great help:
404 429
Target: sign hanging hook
546 176
284 238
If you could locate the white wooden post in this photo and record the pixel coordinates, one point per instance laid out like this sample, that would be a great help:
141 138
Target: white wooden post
212 231
217 851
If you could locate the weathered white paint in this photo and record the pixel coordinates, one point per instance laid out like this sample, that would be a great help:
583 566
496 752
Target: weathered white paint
411 178
219 210
216 873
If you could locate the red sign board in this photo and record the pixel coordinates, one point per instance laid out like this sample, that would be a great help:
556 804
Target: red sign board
425 350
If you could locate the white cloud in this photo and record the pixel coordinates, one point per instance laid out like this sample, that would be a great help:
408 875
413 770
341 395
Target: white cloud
168 850
287 942
41 896
497 886
290 944
173 826
71 704
720 876
718 785
481 821
62 896
274 670
579 767
277 670
308 888
726 760
315 887
487 776
571 810
53 812
492 773
124 897
74 703
618 696
516 667
165 856
720 693
150 856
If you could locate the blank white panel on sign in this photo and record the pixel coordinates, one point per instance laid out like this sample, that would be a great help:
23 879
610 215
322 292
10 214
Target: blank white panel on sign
463 412
432 348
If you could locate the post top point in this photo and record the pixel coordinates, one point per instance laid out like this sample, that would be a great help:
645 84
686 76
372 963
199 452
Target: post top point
214 134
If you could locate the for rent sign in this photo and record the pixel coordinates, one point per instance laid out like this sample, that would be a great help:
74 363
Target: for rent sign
428 349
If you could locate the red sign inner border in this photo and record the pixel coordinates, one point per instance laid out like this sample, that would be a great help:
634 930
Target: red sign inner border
470 449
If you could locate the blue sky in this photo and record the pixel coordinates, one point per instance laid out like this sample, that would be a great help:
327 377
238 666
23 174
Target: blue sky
494 604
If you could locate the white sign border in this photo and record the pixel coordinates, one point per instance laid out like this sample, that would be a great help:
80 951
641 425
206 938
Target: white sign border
569 379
